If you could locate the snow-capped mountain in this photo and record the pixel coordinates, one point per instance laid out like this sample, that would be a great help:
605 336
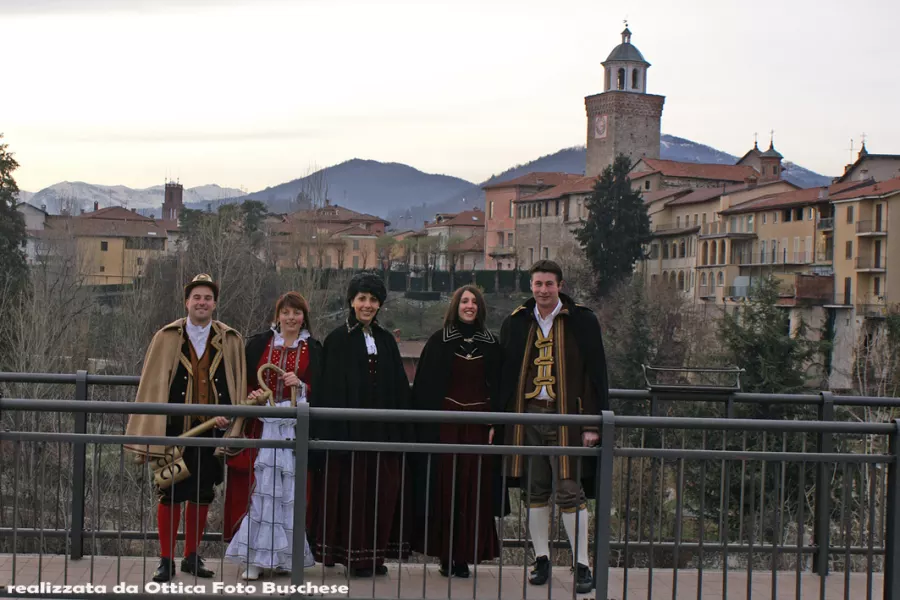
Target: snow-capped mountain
77 196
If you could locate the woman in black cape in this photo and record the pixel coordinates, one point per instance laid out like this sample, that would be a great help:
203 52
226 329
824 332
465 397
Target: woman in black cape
361 368
459 371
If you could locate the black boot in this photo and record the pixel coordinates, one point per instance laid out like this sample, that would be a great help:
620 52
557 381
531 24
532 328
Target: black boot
541 572
193 564
584 583
165 571
461 570
444 569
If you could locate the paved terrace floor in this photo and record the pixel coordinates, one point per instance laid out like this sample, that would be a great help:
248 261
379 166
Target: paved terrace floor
418 581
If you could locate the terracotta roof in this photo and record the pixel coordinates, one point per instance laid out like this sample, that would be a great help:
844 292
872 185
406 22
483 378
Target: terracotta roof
472 244
671 168
353 230
410 348
579 185
876 190
536 179
115 213
80 226
794 198
468 218
663 194
333 213
706 194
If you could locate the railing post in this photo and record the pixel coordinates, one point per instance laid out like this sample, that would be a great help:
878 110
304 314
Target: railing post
301 465
822 515
603 484
892 535
79 459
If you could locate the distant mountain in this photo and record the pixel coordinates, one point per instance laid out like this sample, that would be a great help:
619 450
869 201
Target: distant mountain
366 186
572 160
77 196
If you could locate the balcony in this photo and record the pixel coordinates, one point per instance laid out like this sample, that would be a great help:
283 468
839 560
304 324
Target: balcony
871 228
872 311
873 264
826 224
826 256
664 227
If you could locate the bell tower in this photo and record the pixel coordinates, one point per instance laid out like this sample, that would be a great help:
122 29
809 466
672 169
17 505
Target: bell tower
624 118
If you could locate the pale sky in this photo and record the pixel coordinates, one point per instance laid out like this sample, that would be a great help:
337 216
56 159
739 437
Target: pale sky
253 93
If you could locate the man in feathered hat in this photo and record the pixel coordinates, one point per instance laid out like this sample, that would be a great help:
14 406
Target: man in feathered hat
194 360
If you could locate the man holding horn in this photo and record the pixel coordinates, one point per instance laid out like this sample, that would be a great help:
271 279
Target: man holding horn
194 360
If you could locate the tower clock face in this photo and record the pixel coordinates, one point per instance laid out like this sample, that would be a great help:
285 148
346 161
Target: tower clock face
601 123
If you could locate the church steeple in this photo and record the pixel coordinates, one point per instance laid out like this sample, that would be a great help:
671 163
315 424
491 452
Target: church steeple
625 67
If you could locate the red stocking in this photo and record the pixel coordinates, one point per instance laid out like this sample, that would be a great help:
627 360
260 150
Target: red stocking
168 516
194 525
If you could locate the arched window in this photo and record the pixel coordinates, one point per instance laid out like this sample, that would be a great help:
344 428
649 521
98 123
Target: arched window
608 79
713 252
703 279
665 278
620 81
682 249
720 279
635 80
704 256
681 280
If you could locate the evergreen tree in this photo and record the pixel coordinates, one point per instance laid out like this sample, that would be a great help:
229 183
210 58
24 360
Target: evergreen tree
616 227
759 339
13 268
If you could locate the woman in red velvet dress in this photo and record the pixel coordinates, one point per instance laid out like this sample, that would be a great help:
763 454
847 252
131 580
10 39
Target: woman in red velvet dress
458 371
289 345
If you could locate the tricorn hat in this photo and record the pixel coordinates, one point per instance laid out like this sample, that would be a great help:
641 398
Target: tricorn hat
204 280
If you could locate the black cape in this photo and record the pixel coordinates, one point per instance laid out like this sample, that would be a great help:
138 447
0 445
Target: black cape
584 324
345 383
429 389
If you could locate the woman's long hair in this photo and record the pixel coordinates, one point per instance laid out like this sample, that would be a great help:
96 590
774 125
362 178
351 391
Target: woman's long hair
453 311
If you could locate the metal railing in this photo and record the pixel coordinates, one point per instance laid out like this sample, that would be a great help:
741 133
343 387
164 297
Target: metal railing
871 262
780 507
871 226
825 224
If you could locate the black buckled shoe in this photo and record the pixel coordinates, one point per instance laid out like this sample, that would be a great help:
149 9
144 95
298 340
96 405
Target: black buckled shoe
541 572
165 571
584 583
193 564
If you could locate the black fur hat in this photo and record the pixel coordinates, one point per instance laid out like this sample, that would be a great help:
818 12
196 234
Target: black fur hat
366 283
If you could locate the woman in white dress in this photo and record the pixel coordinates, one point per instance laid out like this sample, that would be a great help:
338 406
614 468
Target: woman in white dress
263 542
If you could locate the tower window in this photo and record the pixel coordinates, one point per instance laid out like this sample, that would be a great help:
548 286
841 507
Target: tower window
635 80
620 82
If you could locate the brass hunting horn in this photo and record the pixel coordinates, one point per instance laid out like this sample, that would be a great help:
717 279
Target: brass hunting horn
267 395
171 468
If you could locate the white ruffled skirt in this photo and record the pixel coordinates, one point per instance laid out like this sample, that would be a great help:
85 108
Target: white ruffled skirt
266 532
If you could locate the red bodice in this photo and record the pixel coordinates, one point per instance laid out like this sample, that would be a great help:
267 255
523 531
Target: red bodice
289 359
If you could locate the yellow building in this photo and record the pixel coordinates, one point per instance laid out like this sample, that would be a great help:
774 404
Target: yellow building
111 246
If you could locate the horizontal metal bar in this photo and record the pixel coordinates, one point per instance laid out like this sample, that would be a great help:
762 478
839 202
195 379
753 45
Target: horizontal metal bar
792 457
106 534
741 548
421 448
752 425
615 394
100 534
427 416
